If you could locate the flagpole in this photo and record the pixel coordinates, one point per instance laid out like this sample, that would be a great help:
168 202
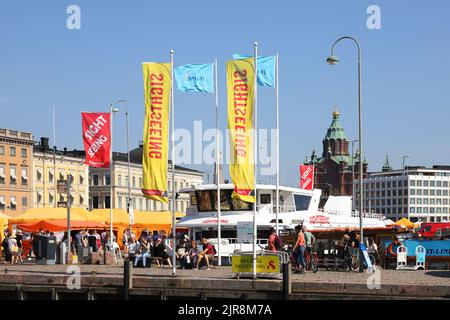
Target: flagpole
278 145
174 240
255 156
219 224
54 160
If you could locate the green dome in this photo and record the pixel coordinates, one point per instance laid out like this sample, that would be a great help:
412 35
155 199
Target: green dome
335 131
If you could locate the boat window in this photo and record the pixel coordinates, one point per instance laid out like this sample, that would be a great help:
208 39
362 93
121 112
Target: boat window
207 200
204 201
301 202
225 203
265 199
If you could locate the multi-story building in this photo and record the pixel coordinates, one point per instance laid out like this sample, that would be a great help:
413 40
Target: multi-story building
100 188
16 152
51 165
415 192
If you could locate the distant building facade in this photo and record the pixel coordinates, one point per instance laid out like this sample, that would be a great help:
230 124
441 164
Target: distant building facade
335 168
16 153
415 193
49 166
100 180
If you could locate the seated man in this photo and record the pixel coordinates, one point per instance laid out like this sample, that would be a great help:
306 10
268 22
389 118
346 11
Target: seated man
208 253
159 251
145 252
182 253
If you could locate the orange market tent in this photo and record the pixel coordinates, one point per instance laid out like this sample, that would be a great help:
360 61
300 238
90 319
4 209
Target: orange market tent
405 223
51 219
151 220
59 225
39 214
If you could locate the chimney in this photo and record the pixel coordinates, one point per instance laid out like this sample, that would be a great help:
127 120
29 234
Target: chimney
44 144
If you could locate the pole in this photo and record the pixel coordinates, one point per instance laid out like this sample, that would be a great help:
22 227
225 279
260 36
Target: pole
219 223
54 159
111 235
255 156
277 193
361 191
68 218
174 261
129 204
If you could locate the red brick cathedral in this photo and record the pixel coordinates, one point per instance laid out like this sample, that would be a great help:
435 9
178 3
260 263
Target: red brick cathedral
334 169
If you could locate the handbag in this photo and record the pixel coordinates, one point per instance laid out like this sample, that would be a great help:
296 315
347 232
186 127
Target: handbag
14 249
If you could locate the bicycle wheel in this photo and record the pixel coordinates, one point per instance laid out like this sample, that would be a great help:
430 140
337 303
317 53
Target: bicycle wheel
315 264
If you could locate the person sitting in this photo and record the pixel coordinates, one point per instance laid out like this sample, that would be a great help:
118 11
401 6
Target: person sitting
132 248
144 252
208 253
182 253
192 255
159 251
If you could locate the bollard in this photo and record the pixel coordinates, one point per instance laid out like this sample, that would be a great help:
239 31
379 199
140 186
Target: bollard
286 280
127 278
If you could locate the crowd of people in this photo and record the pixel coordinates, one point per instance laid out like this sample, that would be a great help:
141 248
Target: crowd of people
152 247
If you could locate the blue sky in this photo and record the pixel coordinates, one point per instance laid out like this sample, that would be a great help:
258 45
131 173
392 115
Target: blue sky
406 98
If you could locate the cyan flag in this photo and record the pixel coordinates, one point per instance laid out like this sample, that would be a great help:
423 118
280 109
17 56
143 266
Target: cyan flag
266 70
195 77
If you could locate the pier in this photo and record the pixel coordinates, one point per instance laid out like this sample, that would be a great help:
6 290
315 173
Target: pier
98 282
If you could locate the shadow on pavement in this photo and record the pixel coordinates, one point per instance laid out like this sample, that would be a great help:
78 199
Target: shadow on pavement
440 274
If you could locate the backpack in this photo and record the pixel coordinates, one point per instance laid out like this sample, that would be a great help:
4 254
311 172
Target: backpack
278 243
213 248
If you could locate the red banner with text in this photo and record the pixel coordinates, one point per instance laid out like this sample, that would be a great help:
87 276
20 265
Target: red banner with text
97 138
306 177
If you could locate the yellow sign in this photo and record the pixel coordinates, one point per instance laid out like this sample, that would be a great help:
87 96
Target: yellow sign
241 84
264 264
157 80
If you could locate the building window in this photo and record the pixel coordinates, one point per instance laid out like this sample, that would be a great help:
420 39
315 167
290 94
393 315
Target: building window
412 192
419 192
425 183
38 175
438 193
81 178
425 201
438 184
81 200
119 182
432 183
2 174
419 201
107 202
119 200
50 176
95 180
2 150
50 198
24 176
95 202
140 182
70 178
445 184
12 151
412 201
134 182
127 180
24 153
425 192
13 203
61 176
24 201
412 210
140 204
2 203
12 173
412 183
107 180
419 183
38 197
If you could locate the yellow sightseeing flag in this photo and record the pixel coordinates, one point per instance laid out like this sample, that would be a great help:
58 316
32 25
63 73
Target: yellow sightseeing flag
241 84
157 81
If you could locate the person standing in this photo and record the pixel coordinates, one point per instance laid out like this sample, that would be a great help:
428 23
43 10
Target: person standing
13 248
19 238
309 240
299 248
272 241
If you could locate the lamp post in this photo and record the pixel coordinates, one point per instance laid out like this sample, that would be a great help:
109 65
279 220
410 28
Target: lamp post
333 60
353 173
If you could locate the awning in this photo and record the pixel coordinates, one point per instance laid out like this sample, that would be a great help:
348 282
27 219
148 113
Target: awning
404 222
59 225
13 175
13 201
2 201
39 170
2 172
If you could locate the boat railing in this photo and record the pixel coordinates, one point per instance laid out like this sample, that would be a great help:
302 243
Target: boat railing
354 214
269 208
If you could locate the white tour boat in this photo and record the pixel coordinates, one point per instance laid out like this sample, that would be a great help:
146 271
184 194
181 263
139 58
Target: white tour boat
296 206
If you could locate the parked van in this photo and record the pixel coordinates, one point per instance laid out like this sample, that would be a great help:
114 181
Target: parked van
434 230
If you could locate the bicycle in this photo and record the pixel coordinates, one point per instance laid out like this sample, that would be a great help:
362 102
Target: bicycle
311 264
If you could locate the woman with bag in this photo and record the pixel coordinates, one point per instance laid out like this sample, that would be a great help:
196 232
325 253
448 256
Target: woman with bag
13 248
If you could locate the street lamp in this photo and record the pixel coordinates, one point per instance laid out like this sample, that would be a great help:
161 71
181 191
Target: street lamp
333 60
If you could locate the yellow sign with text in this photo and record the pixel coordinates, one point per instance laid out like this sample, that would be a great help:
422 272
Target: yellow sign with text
264 264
